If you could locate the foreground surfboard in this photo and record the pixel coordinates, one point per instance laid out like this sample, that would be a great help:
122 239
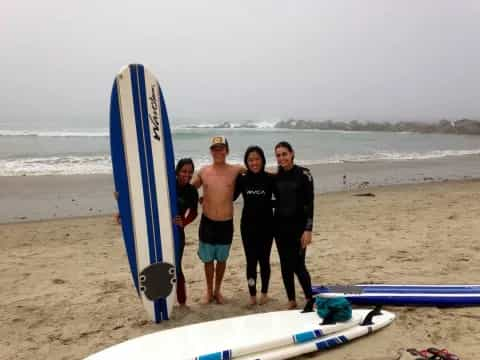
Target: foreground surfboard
144 176
229 338
339 338
404 295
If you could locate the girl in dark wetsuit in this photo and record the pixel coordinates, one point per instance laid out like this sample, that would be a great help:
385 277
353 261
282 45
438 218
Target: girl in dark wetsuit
187 207
293 220
255 185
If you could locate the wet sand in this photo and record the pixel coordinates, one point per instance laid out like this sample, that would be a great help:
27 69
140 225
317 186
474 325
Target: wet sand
27 198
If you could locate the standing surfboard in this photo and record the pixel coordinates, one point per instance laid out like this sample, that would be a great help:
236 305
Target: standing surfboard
144 176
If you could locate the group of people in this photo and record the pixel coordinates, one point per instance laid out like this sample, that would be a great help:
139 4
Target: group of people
275 206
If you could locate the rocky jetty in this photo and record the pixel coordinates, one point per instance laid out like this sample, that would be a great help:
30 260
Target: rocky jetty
463 126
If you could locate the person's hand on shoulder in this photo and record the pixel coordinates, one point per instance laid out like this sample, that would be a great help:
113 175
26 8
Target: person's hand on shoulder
178 220
197 179
241 169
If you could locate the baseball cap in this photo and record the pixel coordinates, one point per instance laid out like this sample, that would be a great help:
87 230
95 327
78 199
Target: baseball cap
218 140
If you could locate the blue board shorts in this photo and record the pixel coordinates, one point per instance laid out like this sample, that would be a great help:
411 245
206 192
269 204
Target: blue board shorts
215 239
209 252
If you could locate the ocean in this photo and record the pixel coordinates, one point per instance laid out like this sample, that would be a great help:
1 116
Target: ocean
50 151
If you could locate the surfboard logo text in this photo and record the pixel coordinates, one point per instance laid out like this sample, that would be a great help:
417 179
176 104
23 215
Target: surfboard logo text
154 116
255 192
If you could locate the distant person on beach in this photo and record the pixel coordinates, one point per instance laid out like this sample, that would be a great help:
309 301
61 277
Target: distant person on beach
293 220
116 215
187 207
256 224
216 225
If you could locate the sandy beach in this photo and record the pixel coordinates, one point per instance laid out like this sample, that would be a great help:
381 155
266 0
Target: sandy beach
67 290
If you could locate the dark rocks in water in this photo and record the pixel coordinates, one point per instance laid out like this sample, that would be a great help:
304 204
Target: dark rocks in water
466 126
228 125
225 125
463 126
247 125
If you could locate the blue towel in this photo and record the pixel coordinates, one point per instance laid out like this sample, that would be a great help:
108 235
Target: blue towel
333 310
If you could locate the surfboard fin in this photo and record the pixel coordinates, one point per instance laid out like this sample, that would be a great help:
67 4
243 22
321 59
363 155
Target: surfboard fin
375 312
157 280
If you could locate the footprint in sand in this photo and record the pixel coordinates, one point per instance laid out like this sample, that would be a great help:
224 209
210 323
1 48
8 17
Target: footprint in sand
110 286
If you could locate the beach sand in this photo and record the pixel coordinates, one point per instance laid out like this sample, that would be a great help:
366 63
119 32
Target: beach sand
67 290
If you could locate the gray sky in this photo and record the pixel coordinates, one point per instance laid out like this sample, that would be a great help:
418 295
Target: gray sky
243 60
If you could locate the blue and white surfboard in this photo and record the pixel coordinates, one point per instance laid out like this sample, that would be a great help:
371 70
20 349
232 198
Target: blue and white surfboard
144 175
404 295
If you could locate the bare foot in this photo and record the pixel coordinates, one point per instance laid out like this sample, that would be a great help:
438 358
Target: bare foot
292 305
219 298
264 299
207 299
253 300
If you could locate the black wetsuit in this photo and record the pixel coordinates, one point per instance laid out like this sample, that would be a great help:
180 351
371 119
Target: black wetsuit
256 225
294 196
187 198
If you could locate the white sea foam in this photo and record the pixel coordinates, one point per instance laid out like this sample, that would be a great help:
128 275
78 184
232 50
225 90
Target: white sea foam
60 133
73 165
233 125
68 165
390 156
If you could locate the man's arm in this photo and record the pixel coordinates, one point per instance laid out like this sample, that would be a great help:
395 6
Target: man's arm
197 179
240 169
238 187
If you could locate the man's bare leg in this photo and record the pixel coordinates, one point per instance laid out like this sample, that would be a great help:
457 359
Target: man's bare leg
209 271
219 272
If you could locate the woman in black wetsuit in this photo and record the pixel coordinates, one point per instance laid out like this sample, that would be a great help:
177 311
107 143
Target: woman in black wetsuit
293 220
187 207
255 185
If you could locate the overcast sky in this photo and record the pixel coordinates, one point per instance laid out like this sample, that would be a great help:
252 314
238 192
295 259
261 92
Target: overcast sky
243 60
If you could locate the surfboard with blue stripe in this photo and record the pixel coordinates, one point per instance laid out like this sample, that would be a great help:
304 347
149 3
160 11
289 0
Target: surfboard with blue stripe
324 343
454 295
144 177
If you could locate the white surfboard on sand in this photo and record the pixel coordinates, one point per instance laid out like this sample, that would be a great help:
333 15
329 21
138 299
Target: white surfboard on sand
327 342
229 338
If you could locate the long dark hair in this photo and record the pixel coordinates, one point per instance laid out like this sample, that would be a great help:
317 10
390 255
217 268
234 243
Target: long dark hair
286 145
259 151
181 163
